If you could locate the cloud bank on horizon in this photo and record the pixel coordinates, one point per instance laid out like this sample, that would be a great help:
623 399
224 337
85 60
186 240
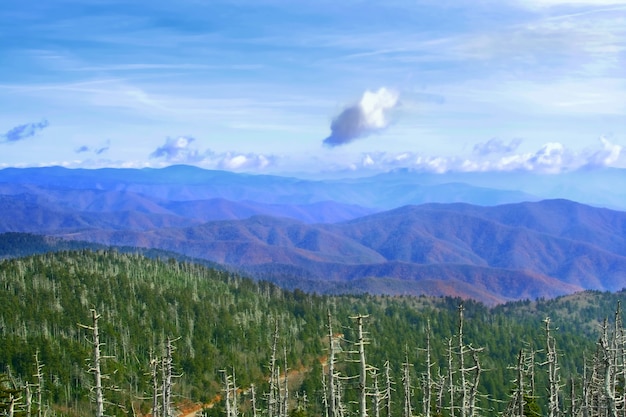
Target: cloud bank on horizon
496 85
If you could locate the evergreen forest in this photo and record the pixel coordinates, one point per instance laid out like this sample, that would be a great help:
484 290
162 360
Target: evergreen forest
172 335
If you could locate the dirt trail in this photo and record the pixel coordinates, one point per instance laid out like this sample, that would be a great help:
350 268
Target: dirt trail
191 411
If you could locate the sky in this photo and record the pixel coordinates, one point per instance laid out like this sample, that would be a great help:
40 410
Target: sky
269 86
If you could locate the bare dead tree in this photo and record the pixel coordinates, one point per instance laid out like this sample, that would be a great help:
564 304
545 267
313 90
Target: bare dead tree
325 400
29 400
585 405
341 407
451 386
167 369
40 386
554 381
619 346
473 388
376 394
331 399
518 402
572 395
427 379
406 384
608 364
441 393
253 400
154 378
272 400
388 389
285 391
362 387
227 391
97 358
230 394
462 372
235 407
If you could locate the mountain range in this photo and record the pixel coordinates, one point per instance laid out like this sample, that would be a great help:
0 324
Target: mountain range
395 234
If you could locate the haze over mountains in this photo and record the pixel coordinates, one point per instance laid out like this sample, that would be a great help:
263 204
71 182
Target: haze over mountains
398 233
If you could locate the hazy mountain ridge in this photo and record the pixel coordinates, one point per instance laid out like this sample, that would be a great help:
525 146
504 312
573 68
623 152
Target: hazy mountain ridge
71 206
185 183
491 253
485 252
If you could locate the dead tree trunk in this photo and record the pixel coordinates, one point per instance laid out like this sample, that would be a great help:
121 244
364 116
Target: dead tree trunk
154 377
39 376
285 393
473 389
363 367
227 393
331 405
325 401
230 395
95 366
272 401
168 378
406 383
554 382
427 391
253 400
388 389
376 397
451 387
29 402
462 383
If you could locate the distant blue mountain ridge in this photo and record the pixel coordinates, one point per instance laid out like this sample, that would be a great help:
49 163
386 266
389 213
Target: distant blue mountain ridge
397 233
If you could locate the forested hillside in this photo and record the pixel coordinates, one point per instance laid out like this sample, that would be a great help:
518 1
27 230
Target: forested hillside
221 322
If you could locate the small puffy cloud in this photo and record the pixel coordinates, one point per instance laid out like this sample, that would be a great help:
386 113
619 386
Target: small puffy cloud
551 157
368 116
496 146
236 162
22 132
608 155
178 150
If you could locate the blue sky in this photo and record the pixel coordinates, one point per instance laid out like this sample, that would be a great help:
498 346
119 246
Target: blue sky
314 86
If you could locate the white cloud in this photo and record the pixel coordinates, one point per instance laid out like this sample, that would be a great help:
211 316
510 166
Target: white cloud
608 155
237 162
182 150
369 115
178 150
552 157
367 161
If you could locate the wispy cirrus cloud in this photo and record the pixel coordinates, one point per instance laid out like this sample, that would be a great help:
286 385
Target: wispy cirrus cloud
496 146
22 132
571 3
99 150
